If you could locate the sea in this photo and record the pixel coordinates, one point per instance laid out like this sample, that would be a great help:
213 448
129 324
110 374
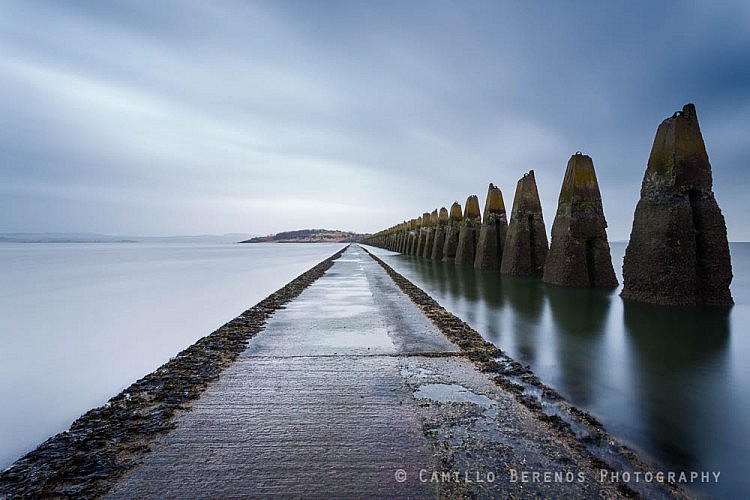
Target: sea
79 322
672 384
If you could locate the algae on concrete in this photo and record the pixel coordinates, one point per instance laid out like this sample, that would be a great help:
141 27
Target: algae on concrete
678 253
412 240
525 250
451 233
430 237
469 232
492 233
424 223
579 254
440 233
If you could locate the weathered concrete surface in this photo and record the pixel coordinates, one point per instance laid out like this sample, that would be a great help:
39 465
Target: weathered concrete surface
403 237
678 253
439 243
354 309
346 387
425 222
316 405
451 233
291 426
411 243
416 229
525 249
492 232
579 254
467 443
469 232
430 238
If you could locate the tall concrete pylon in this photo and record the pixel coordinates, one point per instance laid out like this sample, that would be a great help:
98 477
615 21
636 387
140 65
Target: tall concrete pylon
440 232
422 233
526 248
492 232
430 238
579 254
451 233
678 253
469 232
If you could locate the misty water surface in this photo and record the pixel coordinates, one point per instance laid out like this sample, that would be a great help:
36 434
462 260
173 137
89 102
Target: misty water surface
80 322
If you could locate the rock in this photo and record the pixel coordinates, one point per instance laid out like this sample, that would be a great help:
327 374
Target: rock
469 232
678 253
451 233
525 250
579 253
440 230
492 232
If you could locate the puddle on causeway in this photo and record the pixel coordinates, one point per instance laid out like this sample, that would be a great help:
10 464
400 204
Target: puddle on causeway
452 393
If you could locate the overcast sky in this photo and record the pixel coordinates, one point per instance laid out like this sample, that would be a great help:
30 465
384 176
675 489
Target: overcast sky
190 117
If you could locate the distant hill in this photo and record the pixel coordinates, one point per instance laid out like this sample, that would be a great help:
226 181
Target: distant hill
309 236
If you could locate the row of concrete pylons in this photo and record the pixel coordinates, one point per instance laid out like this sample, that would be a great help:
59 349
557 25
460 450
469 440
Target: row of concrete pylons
678 252
579 254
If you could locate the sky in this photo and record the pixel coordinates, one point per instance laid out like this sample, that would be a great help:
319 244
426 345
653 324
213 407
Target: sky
211 117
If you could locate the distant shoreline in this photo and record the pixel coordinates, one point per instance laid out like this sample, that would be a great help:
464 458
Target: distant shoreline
118 238
12 240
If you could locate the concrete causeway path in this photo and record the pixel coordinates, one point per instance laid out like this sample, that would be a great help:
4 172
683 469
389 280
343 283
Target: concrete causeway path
316 405
351 391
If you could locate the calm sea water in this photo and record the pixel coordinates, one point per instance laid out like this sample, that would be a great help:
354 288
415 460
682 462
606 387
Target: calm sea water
80 322
674 384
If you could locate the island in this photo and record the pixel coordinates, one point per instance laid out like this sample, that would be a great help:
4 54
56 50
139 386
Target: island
309 236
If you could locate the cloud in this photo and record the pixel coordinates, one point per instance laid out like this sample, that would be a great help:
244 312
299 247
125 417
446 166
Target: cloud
232 116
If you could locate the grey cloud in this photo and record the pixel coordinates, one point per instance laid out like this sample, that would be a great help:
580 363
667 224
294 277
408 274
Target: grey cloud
212 116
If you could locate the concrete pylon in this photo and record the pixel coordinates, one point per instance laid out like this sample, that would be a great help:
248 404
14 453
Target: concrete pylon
469 232
451 233
525 250
403 237
492 232
417 229
579 253
424 223
678 253
430 238
392 237
411 244
440 230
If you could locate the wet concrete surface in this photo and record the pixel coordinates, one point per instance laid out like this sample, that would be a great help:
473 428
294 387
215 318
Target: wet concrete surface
354 309
316 405
326 426
347 388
